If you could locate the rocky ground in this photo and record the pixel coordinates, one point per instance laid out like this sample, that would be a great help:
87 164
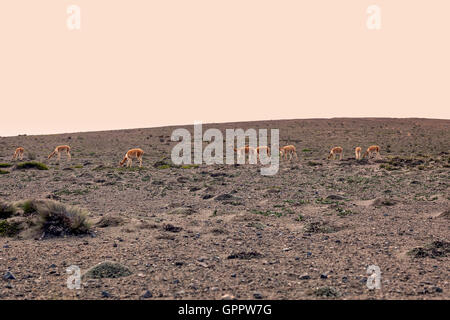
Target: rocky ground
205 232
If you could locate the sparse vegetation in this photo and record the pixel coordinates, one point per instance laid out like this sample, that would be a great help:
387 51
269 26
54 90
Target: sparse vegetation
7 210
31 165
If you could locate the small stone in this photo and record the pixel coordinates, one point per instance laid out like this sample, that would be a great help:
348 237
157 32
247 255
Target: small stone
437 289
147 294
8 276
323 276
257 295
106 294
305 277
228 297
233 275
214 289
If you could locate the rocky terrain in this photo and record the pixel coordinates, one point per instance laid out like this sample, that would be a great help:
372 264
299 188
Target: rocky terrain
226 231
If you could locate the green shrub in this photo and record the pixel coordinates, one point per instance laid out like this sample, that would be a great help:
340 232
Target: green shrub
8 229
6 210
58 219
3 171
5 165
31 165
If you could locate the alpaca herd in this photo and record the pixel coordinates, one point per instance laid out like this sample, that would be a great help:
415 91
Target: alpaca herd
286 153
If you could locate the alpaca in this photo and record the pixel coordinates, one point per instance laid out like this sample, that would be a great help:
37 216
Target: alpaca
288 150
58 151
133 153
335 151
18 153
263 149
241 152
372 150
358 153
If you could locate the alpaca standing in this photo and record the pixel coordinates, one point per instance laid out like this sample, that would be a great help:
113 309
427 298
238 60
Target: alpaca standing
335 151
133 153
372 150
58 151
18 153
288 150
358 153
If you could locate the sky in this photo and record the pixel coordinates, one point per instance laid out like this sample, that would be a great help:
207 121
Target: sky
147 63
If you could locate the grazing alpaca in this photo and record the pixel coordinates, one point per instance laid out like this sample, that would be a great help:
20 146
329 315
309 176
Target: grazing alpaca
133 153
58 151
335 151
372 150
288 150
18 153
263 149
358 153
241 152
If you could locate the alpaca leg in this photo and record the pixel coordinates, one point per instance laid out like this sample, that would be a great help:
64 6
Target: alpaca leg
69 156
59 156
140 162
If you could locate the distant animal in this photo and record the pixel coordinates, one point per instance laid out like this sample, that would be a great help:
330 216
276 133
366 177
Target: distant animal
372 150
18 154
132 153
58 151
288 150
335 151
241 152
263 150
358 153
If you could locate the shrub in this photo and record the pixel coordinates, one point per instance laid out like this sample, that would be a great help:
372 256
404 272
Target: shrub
6 210
8 229
3 171
31 165
58 219
5 165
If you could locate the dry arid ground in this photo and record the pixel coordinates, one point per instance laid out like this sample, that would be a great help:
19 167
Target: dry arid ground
202 232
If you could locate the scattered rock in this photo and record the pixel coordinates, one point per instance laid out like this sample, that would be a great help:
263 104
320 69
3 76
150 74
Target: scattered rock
257 295
8 276
245 255
171 228
326 292
147 294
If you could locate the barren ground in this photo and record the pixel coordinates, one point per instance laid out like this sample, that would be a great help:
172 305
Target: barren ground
316 224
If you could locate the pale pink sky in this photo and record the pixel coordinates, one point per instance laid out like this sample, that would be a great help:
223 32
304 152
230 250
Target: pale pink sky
144 63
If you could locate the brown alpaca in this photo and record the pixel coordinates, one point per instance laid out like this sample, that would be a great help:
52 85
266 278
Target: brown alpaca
18 153
372 150
288 150
133 153
241 152
263 149
358 153
335 151
58 151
